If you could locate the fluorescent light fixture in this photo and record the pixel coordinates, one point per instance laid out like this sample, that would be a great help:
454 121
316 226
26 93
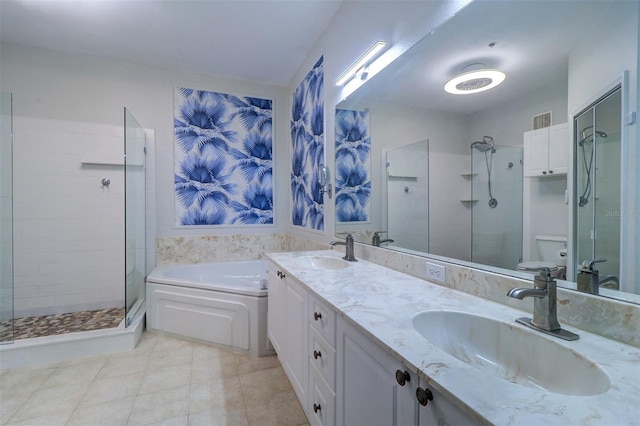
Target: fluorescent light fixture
360 63
474 82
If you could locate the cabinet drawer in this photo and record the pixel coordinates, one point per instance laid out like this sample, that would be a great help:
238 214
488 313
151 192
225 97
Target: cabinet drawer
321 408
322 355
323 319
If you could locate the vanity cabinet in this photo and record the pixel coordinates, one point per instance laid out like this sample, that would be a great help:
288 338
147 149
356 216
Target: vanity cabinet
369 393
287 309
546 151
340 374
321 404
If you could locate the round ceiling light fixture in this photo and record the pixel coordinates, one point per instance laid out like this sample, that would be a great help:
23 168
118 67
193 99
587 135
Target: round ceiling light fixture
474 81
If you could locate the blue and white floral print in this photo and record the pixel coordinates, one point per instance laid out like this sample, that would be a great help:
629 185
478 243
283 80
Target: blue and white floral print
307 150
223 159
353 149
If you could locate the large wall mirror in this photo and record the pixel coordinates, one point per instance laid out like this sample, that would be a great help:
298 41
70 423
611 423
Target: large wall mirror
532 172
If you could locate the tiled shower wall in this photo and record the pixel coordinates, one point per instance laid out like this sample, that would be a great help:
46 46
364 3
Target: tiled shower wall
69 231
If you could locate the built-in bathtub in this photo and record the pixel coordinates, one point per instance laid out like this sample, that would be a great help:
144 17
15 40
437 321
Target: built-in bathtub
221 303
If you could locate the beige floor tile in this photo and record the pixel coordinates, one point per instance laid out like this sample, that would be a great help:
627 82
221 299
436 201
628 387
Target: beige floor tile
47 420
215 395
83 371
111 413
219 417
56 401
163 378
276 409
108 389
10 403
272 380
171 352
248 363
24 379
206 370
158 407
125 365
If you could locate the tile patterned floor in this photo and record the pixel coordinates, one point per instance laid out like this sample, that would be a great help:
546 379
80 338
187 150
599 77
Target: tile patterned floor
165 380
47 325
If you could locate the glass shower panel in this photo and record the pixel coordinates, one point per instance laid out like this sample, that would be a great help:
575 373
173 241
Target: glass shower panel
598 163
496 225
6 219
135 212
408 196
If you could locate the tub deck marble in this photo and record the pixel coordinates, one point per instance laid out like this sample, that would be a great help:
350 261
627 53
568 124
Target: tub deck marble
382 302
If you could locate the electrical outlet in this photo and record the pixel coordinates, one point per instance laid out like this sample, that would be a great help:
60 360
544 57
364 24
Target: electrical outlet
435 272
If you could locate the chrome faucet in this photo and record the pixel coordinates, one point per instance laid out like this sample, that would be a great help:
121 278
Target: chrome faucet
545 318
376 241
348 244
588 279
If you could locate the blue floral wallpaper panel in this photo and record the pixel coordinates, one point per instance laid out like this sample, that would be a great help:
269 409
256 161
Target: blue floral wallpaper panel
353 166
223 159
307 150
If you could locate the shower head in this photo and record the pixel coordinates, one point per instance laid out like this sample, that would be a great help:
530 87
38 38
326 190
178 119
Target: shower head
481 146
589 137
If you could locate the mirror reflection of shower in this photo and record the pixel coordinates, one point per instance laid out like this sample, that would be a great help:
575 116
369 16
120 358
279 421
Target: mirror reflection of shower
486 145
598 224
587 139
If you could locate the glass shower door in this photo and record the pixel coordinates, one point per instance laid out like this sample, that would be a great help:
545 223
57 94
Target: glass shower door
6 219
598 198
135 213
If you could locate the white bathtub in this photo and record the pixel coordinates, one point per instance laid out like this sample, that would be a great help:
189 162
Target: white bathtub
221 303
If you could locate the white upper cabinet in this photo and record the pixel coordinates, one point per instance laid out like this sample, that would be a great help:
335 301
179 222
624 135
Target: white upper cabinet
546 151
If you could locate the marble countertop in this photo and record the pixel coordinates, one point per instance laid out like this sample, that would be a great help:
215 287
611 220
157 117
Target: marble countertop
382 303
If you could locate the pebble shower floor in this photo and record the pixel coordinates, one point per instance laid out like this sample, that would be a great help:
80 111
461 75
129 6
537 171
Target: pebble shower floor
48 325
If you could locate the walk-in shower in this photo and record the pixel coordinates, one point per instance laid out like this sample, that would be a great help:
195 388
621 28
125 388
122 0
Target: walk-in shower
72 230
496 234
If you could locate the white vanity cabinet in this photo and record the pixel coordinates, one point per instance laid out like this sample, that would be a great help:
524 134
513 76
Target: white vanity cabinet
546 151
287 329
321 402
340 374
368 391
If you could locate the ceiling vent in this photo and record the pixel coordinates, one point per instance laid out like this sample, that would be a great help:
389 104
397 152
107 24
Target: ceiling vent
542 120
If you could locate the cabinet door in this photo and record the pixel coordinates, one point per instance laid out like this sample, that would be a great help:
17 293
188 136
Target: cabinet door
275 308
559 147
536 152
442 412
367 391
296 360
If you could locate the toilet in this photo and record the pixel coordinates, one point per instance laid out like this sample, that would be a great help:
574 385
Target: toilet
552 253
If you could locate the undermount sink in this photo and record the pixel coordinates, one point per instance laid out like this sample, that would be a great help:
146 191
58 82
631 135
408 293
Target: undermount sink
322 262
512 353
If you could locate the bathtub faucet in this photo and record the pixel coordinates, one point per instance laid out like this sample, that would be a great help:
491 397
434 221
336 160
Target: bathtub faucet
348 244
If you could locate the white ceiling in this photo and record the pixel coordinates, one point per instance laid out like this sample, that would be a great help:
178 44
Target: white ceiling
263 41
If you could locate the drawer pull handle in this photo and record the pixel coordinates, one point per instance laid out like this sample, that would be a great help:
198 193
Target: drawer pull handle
317 316
424 396
317 354
316 408
402 377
